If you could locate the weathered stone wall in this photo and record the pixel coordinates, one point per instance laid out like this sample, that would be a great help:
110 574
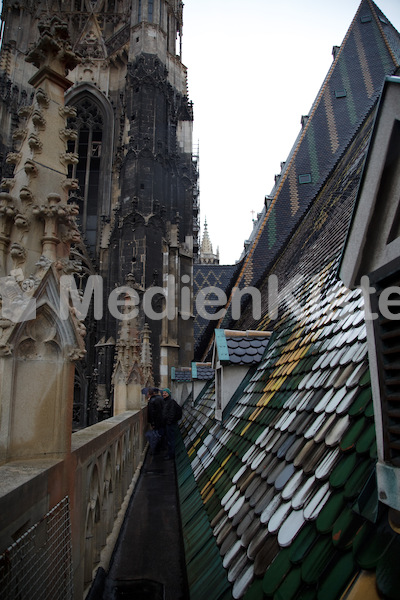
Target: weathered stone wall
95 476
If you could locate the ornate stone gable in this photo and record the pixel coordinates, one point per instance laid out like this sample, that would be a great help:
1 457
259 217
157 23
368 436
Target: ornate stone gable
37 354
90 44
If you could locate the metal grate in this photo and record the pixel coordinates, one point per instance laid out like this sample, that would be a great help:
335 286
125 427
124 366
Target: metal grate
38 566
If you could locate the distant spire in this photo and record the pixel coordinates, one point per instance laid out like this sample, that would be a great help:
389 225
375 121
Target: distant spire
206 245
207 255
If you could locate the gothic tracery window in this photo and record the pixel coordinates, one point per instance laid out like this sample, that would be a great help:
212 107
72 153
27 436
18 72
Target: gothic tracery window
88 145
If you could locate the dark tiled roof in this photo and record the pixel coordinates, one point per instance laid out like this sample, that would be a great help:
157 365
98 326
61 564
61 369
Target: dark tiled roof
319 238
369 52
180 375
202 371
220 276
241 348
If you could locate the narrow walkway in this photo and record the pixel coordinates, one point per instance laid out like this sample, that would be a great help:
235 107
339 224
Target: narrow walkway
148 562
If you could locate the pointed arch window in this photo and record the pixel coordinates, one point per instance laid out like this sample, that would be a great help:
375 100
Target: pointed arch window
88 145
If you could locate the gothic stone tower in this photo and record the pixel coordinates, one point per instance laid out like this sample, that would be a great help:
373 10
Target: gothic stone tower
129 143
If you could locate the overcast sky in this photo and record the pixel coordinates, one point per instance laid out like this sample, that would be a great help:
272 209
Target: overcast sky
254 68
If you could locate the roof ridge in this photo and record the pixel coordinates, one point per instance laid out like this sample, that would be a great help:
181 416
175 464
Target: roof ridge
374 9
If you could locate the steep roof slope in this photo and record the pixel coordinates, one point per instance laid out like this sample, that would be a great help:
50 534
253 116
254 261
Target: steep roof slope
287 480
282 478
369 52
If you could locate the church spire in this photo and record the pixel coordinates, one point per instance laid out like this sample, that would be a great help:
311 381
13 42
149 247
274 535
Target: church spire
207 255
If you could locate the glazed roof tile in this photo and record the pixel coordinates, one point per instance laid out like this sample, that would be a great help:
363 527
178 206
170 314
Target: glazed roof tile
287 479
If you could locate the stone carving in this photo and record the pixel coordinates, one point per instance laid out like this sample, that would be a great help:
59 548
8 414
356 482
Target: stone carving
68 134
119 39
67 112
26 195
18 254
21 221
5 324
90 47
42 98
30 168
13 158
7 183
25 111
76 354
14 301
34 143
20 134
42 266
69 158
53 46
41 338
7 209
71 233
38 120
70 184
68 266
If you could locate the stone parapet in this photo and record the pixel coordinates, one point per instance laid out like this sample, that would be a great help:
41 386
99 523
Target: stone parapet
95 478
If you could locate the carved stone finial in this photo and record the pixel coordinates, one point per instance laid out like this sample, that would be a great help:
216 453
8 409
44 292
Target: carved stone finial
18 254
53 48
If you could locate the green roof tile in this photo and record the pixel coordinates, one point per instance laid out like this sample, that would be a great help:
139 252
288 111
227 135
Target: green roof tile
352 434
307 594
302 543
337 579
345 528
317 560
330 512
358 478
367 439
361 403
255 591
343 470
374 548
276 572
365 379
369 410
316 348
289 586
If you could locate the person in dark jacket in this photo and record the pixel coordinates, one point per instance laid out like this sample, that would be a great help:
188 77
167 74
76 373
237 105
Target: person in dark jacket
155 418
169 414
